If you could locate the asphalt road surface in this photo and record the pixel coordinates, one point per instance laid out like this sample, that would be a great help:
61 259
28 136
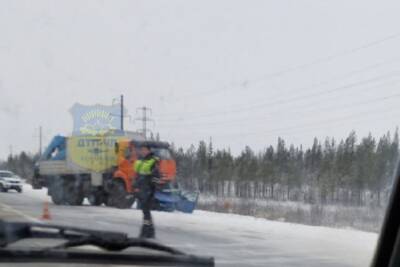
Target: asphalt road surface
232 239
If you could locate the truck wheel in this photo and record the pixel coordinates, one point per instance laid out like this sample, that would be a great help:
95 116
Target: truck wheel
35 184
19 189
73 198
119 197
96 198
56 191
57 199
72 194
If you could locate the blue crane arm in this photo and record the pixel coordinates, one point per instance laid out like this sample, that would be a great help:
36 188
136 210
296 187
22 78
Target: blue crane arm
56 150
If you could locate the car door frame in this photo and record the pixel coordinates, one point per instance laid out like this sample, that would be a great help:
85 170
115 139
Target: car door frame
387 252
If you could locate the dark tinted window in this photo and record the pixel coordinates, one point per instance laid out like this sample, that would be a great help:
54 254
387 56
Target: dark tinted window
6 174
162 153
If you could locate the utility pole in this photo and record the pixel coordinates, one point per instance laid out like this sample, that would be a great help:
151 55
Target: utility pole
40 140
144 118
122 112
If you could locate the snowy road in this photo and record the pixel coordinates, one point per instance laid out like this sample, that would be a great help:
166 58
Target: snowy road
232 239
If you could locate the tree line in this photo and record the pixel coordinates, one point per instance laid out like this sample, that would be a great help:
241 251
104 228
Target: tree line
21 164
351 171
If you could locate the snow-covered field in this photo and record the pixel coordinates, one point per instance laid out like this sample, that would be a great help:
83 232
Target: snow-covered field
364 218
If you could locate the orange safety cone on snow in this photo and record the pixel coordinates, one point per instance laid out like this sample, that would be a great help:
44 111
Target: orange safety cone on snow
46 212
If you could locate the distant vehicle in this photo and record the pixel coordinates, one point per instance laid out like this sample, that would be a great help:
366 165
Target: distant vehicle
9 180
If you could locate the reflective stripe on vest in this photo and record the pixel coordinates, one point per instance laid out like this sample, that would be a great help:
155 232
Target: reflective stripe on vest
143 167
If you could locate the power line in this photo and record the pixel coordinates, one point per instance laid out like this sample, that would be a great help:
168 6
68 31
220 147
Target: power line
314 128
144 119
299 97
300 66
307 106
340 119
300 128
325 82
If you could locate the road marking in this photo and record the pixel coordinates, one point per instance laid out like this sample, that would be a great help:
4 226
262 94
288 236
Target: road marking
11 209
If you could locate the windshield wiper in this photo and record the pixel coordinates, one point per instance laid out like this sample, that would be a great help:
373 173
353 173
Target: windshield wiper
11 232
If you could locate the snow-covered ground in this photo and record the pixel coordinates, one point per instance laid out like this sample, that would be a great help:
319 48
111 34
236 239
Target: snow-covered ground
231 239
367 218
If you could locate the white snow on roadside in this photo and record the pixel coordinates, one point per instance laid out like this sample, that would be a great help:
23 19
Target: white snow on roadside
41 193
36 193
280 239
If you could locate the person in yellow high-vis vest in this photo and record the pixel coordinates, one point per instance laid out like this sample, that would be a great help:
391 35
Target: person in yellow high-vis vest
148 175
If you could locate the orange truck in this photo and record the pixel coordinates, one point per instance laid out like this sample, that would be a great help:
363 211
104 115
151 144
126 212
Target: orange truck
100 168
121 187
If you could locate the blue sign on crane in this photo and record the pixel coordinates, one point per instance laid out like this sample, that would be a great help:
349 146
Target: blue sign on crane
95 119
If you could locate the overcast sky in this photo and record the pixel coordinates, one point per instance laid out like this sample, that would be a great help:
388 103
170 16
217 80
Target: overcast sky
241 72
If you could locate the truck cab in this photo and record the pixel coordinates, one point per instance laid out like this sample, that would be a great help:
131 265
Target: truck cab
127 153
124 174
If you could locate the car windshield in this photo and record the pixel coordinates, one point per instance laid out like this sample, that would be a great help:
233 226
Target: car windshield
259 133
6 174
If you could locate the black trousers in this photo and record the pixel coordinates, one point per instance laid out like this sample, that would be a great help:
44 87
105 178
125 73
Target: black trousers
146 197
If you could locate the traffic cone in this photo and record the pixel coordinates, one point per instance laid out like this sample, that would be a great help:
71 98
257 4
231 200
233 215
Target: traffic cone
46 212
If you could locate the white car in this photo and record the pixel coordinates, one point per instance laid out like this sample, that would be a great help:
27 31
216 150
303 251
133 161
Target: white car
9 180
